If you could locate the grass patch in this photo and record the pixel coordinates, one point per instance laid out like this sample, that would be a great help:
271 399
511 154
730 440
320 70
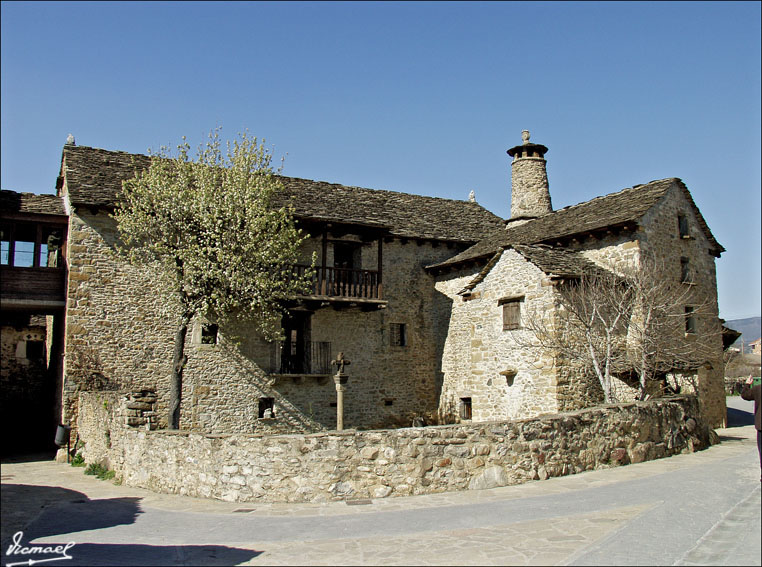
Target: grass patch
78 460
99 471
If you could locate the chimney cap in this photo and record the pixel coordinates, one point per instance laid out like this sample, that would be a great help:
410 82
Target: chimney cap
526 145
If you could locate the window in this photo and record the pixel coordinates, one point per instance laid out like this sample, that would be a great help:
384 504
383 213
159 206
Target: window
682 226
511 312
266 408
30 246
347 255
465 408
685 270
398 334
209 334
35 350
690 320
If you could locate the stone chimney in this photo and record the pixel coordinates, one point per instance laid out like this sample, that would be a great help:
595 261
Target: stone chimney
530 194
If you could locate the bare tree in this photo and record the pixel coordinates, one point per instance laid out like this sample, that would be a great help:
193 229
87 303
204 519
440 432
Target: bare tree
673 327
638 320
588 326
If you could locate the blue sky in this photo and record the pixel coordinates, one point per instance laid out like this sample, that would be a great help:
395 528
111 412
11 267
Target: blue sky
417 97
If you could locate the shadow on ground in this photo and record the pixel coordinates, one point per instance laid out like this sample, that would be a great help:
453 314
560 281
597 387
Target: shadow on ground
47 512
739 418
129 554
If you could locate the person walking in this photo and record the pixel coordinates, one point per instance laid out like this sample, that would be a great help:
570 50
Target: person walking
751 391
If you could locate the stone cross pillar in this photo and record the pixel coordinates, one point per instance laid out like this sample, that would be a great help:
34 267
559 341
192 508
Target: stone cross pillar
340 379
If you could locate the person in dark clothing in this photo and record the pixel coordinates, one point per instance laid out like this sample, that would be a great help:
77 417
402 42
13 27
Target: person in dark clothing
754 392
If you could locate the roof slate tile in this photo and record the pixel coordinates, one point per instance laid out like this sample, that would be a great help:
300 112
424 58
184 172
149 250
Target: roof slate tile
94 178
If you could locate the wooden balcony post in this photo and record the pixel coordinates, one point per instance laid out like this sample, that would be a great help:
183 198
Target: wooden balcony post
322 287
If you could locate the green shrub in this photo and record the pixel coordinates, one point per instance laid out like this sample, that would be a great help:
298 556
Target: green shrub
78 460
99 471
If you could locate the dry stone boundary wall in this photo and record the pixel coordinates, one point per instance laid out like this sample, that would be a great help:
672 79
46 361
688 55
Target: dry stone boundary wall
375 464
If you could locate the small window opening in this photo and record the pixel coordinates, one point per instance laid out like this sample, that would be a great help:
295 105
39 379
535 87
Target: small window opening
465 408
35 350
398 334
332 404
682 225
209 334
685 270
266 408
690 320
388 402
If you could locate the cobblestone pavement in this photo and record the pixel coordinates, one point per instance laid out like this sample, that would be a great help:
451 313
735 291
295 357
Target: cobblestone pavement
696 509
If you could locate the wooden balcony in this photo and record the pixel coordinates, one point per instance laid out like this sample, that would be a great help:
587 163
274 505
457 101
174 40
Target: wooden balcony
32 288
343 283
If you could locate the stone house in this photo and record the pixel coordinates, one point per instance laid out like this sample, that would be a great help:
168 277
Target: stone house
421 294
513 273
372 300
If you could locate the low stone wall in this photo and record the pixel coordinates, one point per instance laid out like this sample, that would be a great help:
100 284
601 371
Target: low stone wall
376 464
105 416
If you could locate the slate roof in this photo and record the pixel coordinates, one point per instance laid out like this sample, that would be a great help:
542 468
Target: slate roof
94 178
13 202
556 262
626 206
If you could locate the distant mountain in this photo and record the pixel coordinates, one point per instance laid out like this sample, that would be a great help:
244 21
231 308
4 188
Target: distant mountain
750 329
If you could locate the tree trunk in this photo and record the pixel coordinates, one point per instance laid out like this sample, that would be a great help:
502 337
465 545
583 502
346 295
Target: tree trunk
176 383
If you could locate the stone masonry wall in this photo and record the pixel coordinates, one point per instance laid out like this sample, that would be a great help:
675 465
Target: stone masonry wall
376 464
116 320
662 239
478 350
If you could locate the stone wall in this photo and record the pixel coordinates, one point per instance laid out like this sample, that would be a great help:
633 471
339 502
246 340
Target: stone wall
118 324
106 414
660 236
499 370
376 464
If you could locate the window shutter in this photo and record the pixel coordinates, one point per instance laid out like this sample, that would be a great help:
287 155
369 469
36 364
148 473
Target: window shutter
511 315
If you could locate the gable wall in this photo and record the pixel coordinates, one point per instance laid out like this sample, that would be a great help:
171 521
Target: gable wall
658 235
477 348
115 319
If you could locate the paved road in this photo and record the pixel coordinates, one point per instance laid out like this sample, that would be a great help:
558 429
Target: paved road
697 509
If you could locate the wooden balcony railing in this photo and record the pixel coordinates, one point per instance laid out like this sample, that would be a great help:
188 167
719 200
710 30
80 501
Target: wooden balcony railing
341 282
308 358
